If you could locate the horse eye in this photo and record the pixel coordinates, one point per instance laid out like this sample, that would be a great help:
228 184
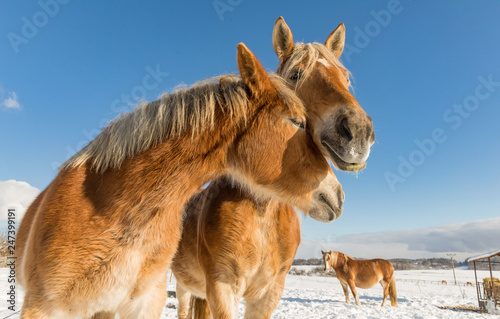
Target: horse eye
299 122
296 75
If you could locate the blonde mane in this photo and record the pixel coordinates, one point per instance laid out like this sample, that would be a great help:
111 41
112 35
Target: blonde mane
347 257
184 111
309 53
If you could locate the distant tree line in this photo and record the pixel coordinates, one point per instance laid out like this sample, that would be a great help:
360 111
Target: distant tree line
399 263
424 263
307 262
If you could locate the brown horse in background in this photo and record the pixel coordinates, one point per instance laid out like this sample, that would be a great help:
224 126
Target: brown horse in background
362 273
100 238
235 245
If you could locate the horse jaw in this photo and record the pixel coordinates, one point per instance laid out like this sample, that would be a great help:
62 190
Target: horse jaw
327 200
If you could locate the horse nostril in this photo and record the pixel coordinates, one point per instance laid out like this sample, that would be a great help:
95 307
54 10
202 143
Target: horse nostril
344 130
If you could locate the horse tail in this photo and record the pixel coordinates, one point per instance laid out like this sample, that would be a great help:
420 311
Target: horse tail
199 308
392 292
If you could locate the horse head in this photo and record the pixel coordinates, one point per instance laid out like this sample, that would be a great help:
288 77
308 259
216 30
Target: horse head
339 126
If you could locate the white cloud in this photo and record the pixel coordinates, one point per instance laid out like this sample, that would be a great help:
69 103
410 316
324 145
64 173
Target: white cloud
14 194
463 239
11 102
8 99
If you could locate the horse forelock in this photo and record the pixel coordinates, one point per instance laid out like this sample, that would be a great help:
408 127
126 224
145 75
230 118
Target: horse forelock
306 55
181 112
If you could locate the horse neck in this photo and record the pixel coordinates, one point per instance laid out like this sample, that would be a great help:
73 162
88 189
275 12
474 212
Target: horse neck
167 175
341 260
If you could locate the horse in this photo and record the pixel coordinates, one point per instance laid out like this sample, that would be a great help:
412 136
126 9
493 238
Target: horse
468 284
362 274
235 245
443 282
100 238
491 287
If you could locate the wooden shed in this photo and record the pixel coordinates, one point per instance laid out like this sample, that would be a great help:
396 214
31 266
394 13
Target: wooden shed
489 288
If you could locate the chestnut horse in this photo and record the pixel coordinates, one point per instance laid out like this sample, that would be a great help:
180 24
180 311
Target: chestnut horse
235 245
100 238
362 274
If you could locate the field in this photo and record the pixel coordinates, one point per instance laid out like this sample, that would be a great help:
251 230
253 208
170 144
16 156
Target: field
420 296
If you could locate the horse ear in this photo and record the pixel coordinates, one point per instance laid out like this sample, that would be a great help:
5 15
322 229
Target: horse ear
336 40
252 73
323 252
282 39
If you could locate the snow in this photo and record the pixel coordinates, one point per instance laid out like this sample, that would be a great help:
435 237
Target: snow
420 293
485 255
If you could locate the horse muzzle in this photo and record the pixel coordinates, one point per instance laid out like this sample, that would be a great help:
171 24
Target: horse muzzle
328 200
347 137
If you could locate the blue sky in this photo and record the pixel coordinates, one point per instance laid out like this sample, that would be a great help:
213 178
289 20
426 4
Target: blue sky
419 70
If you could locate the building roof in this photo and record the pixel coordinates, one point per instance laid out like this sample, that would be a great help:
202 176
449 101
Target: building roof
485 255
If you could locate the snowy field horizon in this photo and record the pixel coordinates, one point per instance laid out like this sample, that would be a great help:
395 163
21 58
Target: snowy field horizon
420 296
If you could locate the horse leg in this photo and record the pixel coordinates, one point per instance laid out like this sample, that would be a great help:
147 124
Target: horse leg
103 315
264 306
346 292
184 298
385 287
199 308
35 308
34 313
222 300
147 305
354 292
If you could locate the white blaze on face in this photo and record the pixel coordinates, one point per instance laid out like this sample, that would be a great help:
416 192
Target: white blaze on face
326 262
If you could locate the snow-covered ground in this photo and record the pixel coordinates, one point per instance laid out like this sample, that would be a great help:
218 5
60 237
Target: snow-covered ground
420 293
